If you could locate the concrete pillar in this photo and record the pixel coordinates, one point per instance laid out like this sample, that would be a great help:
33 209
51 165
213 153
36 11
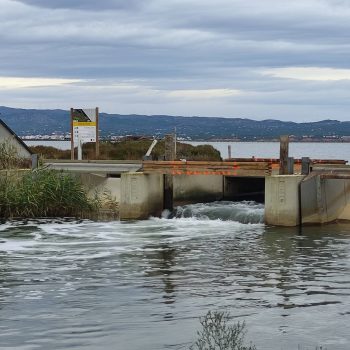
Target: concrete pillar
35 161
290 165
168 199
305 165
141 196
284 151
282 206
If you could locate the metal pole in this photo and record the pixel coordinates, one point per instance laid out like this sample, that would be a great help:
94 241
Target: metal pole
175 138
35 161
168 202
305 166
80 149
290 165
97 135
229 151
71 135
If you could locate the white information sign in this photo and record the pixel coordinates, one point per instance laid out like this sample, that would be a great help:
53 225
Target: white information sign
84 133
84 129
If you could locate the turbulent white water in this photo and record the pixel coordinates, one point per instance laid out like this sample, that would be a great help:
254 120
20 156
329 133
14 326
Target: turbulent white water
142 285
245 212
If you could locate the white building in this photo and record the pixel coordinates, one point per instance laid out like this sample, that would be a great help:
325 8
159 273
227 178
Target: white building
7 135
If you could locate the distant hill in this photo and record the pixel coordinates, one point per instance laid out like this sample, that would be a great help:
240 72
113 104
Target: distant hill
46 122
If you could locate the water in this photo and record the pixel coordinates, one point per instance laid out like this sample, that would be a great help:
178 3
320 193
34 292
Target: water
63 145
142 285
314 150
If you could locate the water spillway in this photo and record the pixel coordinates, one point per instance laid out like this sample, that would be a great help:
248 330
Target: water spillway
245 212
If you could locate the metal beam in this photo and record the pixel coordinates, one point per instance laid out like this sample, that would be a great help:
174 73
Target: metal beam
96 167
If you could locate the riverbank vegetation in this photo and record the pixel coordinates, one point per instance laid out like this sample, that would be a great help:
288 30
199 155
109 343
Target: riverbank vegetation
26 193
218 333
132 150
43 193
9 158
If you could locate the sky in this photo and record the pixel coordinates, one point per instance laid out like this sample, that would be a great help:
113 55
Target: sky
258 59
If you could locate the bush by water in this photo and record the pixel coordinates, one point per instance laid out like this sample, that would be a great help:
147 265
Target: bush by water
43 193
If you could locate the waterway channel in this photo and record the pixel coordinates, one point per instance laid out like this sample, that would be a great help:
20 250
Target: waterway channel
315 150
142 285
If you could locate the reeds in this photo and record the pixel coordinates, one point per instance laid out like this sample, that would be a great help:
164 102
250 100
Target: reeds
9 158
43 193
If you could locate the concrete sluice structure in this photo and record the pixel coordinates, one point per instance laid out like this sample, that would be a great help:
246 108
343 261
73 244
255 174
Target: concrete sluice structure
290 200
321 197
142 195
325 198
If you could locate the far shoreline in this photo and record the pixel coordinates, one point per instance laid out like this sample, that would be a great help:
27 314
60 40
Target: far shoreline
203 140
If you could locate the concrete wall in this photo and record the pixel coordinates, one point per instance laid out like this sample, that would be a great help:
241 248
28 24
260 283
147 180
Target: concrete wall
345 214
325 200
282 200
141 196
105 187
197 188
6 136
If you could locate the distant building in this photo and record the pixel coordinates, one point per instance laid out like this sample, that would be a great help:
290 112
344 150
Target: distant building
7 135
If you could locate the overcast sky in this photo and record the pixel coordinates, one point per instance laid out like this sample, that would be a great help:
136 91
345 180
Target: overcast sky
256 59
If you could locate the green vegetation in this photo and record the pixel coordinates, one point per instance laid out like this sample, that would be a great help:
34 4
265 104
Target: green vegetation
132 150
9 158
218 334
43 193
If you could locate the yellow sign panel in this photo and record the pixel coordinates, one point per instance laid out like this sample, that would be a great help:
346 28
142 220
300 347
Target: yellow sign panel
84 123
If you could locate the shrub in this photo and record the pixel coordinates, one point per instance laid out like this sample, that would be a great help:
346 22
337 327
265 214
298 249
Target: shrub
132 150
218 334
43 193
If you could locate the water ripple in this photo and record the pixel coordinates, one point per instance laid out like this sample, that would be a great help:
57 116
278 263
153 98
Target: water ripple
143 285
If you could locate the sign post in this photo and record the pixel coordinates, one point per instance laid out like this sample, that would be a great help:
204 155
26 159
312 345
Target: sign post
84 128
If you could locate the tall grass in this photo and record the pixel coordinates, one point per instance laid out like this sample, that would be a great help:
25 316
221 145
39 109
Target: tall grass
43 193
9 157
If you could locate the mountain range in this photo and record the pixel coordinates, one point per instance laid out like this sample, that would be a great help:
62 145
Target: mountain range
47 122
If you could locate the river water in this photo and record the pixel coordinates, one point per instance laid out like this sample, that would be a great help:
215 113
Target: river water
143 285
315 150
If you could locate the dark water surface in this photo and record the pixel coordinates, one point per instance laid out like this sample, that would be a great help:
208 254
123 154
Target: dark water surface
143 285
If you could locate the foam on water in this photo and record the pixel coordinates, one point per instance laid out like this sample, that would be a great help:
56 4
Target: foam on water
143 284
14 245
246 212
185 223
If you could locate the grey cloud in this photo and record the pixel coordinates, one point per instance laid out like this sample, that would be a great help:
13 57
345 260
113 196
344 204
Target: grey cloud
177 45
84 4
